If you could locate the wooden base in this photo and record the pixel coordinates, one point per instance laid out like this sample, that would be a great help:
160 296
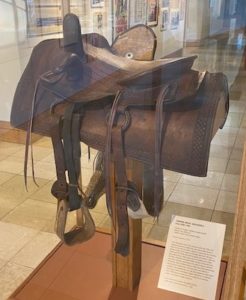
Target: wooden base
85 272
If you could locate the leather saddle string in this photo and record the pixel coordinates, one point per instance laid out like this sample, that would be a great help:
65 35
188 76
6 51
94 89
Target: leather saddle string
158 172
59 188
29 136
107 154
28 143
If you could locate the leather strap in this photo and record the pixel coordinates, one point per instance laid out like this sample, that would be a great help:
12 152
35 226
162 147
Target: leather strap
71 124
85 227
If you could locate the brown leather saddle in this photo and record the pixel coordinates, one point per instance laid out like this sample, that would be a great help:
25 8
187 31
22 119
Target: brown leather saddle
123 103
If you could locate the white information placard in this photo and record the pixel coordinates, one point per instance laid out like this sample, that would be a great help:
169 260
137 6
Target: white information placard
192 257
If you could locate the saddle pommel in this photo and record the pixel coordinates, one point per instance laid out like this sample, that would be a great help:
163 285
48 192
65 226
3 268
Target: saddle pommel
72 41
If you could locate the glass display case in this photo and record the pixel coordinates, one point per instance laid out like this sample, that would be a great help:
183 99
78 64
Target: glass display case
180 28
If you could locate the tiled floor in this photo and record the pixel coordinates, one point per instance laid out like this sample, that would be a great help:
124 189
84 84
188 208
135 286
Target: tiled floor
26 218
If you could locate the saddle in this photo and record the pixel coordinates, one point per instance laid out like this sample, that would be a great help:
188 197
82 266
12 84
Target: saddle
120 101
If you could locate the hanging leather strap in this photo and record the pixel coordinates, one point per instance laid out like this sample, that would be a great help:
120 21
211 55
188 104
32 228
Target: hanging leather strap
71 124
122 245
85 227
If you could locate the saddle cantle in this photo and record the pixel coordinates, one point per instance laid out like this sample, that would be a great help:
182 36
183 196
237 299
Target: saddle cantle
161 112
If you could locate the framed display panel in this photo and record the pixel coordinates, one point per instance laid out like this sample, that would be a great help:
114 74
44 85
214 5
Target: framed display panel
138 12
120 16
164 3
152 12
164 19
97 3
79 8
44 17
98 22
174 19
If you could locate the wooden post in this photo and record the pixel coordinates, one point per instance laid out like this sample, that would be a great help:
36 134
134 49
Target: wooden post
127 270
235 274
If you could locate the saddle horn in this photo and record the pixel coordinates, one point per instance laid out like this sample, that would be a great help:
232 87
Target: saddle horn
72 41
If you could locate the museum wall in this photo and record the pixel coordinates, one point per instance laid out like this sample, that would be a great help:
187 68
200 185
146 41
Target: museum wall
24 24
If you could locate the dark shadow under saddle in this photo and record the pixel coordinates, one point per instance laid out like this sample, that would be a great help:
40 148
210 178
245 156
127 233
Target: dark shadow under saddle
123 103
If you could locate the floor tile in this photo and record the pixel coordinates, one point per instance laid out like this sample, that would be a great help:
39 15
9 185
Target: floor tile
101 206
4 176
86 176
158 233
13 238
39 153
45 170
234 119
8 202
36 250
224 218
44 142
168 189
226 201
220 151
230 183
11 276
146 228
106 223
237 106
88 163
226 248
216 164
171 176
16 186
194 196
98 218
172 208
48 159
225 137
243 123
233 167
2 263
32 213
213 180
241 138
237 154
44 193
11 166
9 148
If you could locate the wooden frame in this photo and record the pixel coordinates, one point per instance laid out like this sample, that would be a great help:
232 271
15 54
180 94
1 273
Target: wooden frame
235 274
152 12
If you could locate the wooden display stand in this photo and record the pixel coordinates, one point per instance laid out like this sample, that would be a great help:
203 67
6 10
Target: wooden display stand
127 270
236 272
85 271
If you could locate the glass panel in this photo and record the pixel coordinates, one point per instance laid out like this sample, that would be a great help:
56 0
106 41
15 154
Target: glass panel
203 187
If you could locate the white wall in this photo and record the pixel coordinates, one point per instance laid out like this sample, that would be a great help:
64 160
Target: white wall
197 20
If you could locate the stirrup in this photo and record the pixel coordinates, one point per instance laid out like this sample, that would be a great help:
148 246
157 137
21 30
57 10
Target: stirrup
84 229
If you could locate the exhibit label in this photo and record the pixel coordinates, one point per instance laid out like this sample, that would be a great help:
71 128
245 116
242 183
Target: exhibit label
192 257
